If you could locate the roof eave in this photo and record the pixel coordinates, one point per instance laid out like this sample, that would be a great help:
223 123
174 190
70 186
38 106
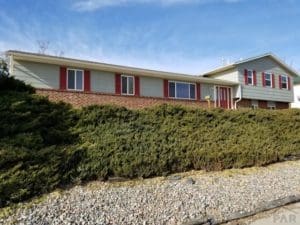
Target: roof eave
234 65
219 70
62 61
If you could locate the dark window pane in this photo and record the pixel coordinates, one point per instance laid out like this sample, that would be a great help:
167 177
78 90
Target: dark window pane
283 82
284 86
124 85
130 85
71 79
79 76
172 89
182 90
250 77
192 91
268 80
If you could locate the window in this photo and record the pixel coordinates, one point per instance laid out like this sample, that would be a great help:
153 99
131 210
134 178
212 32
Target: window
250 77
271 105
127 85
75 79
254 104
172 89
284 82
268 80
182 90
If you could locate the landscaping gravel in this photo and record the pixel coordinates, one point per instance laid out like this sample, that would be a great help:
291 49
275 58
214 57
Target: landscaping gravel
164 200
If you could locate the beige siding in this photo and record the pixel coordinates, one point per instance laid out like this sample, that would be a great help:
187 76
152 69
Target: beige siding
151 87
230 75
37 74
102 82
260 92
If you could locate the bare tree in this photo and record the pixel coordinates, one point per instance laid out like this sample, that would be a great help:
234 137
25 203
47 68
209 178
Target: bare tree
43 46
59 53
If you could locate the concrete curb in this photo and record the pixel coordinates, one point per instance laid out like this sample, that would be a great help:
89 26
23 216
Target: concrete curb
235 216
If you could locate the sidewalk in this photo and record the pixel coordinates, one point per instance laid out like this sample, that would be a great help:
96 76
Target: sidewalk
286 215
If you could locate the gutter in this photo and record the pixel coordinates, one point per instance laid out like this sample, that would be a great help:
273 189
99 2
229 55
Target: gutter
240 98
63 61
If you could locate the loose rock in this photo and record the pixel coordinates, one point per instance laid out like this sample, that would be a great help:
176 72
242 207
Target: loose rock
163 201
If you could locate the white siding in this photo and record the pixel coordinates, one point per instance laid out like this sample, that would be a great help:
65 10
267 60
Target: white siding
296 103
151 87
102 82
39 75
265 93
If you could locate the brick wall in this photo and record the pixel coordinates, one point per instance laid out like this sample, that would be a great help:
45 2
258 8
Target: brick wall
246 103
262 104
282 105
79 99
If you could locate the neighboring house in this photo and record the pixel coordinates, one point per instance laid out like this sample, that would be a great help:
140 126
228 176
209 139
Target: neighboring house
296 103
260 82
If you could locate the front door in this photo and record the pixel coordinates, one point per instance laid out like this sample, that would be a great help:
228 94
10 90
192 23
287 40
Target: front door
223 97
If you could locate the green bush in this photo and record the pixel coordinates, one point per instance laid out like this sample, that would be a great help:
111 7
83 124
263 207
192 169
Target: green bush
36 145
45 145
169 139
8 83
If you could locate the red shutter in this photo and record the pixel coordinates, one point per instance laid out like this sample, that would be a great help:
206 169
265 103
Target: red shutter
246 76
87 80
63 78
280 82
254 77
198 97
118 83
289 83
263 79
229 98
273 80
136 86
166 88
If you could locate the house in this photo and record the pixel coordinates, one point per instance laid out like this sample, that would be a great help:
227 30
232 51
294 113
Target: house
259 82
296 103
264 82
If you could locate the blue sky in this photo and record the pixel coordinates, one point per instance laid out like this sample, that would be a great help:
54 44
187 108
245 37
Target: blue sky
189 36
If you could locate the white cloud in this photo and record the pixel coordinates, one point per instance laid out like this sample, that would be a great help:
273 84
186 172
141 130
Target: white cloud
92 5
24 37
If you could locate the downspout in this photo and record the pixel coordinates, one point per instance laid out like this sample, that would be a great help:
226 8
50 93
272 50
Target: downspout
240 97
10 64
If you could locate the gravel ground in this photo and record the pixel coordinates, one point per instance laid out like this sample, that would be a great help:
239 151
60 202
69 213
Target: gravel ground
170 200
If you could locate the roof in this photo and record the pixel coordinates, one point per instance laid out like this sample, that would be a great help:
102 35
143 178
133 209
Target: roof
234 65
63 61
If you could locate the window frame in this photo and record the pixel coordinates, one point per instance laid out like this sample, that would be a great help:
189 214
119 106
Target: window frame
75 79
271 80
127 83
252 77
254 104
286 82
271 105
182 82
